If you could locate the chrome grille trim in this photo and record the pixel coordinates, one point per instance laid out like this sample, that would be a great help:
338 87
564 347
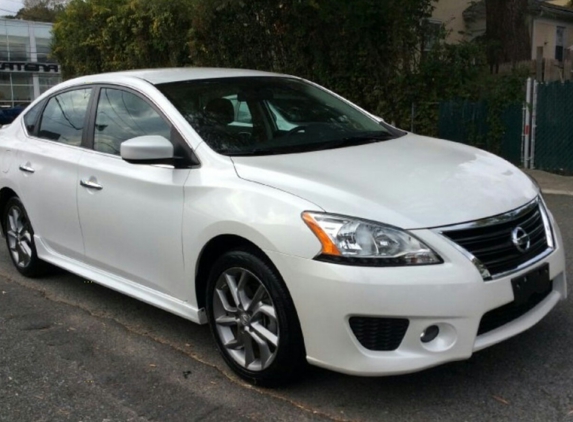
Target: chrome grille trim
508 217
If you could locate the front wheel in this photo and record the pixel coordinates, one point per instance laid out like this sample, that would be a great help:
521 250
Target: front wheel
253 319
20 239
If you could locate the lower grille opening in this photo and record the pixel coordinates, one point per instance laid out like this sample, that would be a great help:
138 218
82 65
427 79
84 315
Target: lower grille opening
505 314
380 334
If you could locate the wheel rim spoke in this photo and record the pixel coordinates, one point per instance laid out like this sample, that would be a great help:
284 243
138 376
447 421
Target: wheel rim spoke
26 250
257 297
18 223
12 240
249 351
12 217
27 237
227 321
234 344
21 254
265 334
233 289
264 349
225 303
267 310
241 293
16 255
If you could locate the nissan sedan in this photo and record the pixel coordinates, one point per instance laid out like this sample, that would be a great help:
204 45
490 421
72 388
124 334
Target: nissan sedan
300 227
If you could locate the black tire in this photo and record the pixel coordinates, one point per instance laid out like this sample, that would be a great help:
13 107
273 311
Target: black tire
29 266
288 358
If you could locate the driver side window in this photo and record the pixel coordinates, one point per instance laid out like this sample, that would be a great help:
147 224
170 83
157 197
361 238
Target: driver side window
122 115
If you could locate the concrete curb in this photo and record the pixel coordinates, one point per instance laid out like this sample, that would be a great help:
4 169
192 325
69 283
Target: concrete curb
552 184
556 192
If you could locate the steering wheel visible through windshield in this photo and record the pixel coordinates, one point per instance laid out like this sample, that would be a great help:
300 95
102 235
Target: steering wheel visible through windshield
271 115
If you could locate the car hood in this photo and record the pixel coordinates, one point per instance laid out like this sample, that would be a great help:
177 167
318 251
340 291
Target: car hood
410 182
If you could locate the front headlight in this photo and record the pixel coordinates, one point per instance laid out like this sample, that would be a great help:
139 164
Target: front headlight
353 241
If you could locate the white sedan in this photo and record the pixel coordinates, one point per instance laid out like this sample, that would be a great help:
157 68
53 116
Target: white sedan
336 240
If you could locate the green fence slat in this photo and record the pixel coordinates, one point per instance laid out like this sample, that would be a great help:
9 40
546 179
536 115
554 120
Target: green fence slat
467 122
554 132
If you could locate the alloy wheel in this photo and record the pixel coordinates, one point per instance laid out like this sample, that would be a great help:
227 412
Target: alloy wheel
19 237
245 319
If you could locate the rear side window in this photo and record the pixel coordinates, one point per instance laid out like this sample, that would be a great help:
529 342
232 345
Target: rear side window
64 117
31 117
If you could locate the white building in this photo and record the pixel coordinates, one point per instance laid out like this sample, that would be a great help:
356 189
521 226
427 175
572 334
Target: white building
26 69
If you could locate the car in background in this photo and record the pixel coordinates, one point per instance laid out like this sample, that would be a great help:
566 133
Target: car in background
300 227
7 115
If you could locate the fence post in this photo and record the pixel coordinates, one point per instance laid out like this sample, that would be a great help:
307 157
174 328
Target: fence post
533 125
526 125
540 65
412 117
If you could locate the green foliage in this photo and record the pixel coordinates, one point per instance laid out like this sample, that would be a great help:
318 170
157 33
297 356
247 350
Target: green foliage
93 36
461 72
369 51
365 50
40 10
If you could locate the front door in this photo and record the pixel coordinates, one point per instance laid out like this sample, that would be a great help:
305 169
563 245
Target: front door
131 215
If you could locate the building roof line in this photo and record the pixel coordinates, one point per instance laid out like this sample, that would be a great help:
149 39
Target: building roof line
26 21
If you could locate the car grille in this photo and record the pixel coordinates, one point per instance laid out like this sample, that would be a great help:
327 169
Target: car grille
510 312
490 240
380 334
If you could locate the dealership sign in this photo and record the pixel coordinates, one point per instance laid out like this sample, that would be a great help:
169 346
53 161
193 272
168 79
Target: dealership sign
29 67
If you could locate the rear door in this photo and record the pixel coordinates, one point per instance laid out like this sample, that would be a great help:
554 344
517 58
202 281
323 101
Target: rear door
48 170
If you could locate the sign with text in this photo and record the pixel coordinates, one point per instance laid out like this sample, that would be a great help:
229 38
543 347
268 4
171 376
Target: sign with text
29 67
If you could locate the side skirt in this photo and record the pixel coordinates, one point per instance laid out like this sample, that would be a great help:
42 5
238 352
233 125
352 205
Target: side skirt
121 285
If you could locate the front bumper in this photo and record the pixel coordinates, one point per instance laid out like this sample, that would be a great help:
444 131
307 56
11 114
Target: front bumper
452 296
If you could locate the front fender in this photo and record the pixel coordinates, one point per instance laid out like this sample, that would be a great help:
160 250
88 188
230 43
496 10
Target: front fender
220 203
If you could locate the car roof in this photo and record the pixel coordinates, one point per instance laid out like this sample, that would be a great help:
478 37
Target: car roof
160 76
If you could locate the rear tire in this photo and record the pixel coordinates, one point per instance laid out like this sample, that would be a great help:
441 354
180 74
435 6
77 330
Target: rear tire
20 240
253 319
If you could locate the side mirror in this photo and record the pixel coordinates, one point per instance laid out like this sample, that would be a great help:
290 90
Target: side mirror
151 149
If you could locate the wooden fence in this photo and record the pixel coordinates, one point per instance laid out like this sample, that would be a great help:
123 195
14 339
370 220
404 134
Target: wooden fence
549 70
543 70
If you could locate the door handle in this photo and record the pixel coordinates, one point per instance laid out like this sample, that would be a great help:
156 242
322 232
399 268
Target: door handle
27 168
90 184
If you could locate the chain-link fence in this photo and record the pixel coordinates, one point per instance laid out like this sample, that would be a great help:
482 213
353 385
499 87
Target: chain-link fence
553 147
469 123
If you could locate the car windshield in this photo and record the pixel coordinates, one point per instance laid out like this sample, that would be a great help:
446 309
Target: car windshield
271 115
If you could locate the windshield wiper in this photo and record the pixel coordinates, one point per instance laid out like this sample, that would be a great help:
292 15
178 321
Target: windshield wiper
249 152
356 140
374 137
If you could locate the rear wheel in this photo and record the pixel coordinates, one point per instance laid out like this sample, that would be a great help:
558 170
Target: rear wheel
20 239
253 319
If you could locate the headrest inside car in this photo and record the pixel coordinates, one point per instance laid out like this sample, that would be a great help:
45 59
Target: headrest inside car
221 110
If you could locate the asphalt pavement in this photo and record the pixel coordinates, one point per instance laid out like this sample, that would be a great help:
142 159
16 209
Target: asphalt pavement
71 350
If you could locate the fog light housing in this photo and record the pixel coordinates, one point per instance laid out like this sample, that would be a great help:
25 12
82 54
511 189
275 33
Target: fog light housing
430 334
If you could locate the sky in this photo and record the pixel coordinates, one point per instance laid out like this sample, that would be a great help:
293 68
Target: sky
10 7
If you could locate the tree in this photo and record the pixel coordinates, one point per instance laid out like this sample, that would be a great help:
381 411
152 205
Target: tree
41 10
507 33
366 50
92 36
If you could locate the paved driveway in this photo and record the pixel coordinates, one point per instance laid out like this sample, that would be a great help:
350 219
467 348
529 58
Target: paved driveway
72 350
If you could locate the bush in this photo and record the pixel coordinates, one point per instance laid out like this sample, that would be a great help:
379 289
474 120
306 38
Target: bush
95 36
